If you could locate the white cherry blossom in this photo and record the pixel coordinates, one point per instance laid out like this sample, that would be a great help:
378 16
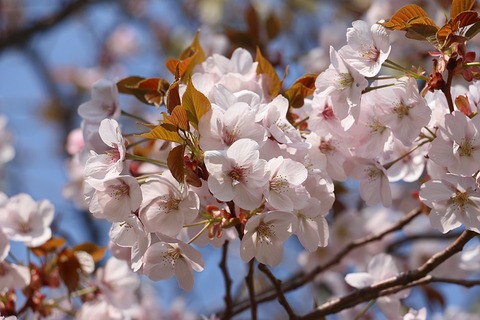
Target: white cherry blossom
457 146
264 236
113 199
284 191
455 200
312 227
367 47
23 219
171 257
167 205
104 103
237 174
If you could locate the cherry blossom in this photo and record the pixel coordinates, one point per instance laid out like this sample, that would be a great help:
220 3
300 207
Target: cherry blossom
455 200
312 227
110 164
458 144
332 149
284 191
380 267
264 236
237 174
344 85
367 47
113 199
167 205
219 130
7 152
23 219
171 257
13 276
104 103
374 185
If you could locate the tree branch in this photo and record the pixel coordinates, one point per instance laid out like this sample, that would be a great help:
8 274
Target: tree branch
300 279
422 236
251 289
392 285
21 37
228 283
278 287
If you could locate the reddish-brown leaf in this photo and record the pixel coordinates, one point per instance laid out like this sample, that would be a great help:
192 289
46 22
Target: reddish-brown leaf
163 133
182 68
173 96
459 6
176 163
270 78
149 91
302 88
463 105
91 248
51 245
178 118
195 104
69 269
407 16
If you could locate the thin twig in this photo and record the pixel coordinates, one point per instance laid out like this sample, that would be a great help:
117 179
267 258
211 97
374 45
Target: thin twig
249 279
421 236
21 37
392 285
228 283
278 287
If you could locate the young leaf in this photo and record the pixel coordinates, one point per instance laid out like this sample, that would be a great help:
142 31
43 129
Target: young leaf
178 119
149 91
69 269
173 97
302 88
195 104
92 249
271 80
160 132
188 59
459 6
407 16
51 245
176 163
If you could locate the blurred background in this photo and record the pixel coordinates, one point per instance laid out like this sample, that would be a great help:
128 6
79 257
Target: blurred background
52 51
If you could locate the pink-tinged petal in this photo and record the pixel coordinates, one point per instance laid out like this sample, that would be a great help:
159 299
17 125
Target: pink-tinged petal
444 221
269 253
244 151
247 198
382 266
359 280
248 246
4 245
109 131
441 152
307 233
184 274
434 191
390 306
157 263
222 191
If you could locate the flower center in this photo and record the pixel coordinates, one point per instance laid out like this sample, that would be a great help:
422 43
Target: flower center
371 54
279 184
230 136
460 199
326 147
465 148
119 191
327 113
376 127
237 175
345 80
265 233
373 173
401 110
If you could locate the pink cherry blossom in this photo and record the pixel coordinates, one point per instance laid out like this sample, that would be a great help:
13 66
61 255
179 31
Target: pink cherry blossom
312 227
284 191
237 174
23 219
344 85
374 185
113 199
13 276
264 236
171 257
104 103
333 149
455 200
167 205
367 47
110 164
457 147
219 130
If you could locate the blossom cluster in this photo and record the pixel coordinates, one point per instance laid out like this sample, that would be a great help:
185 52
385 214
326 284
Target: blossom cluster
252 168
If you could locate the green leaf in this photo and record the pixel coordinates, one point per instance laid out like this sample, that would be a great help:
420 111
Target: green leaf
196 104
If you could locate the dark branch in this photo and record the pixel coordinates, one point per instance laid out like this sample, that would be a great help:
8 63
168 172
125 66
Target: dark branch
21 37
299 280
393 285
251 289
228 283
278 287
